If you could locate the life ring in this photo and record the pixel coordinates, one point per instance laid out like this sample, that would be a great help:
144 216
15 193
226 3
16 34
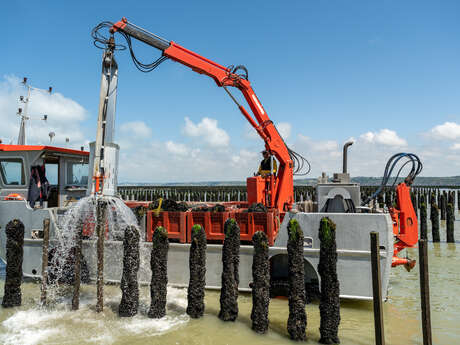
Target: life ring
14 196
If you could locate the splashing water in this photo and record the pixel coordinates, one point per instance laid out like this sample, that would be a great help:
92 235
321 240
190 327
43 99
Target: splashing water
82 216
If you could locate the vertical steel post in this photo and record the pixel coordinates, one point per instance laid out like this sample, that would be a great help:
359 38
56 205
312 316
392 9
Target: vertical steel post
46 240
77 268
425 292
377 290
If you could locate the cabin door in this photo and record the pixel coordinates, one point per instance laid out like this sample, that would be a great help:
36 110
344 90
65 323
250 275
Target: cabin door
52 174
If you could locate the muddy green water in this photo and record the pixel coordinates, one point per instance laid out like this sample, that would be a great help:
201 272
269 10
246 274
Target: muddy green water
57 324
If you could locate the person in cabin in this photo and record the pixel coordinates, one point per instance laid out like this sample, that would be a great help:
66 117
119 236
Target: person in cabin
265 167
38 185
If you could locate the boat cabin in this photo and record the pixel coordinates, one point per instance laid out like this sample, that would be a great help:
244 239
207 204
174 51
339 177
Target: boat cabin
65 169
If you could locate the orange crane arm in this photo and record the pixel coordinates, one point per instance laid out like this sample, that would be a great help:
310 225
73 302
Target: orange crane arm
282 188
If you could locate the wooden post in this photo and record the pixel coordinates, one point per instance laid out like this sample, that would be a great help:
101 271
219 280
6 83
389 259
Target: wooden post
450 223
46 241
443 207
458 200
423 221
100 230
77 268
14 258
329 305
159 266
377 290
435 222
129 284
261 283
425 292
230 272
297 320
197 266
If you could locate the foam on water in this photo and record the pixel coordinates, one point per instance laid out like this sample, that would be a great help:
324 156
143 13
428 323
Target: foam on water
30 327
58 324
119 217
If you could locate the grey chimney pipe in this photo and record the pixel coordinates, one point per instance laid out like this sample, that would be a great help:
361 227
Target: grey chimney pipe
345 156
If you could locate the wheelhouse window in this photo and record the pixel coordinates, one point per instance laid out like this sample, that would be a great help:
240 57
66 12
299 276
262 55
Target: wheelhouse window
12 171
77 174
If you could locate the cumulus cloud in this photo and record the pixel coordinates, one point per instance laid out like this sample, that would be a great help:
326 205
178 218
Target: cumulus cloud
177 148
244 157
384 137
284 128
65 116
137 129
448 130
209 132
323 146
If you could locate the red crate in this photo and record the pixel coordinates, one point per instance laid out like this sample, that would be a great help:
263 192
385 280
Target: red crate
244 221
173 222
264 222
89 226
251 222
212 223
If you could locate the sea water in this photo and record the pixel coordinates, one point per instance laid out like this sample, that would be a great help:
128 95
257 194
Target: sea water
32 324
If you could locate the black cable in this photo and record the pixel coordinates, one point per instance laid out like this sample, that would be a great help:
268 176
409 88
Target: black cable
415 170
103 42
142 66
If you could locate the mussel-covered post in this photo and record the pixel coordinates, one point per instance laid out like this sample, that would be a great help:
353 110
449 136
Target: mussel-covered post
197 266
230 272
129 285
443 207
101 217
45 244
458 200
297 321
423 221
450 224
434 216
14 256
77 268
329 305
159 266
260 283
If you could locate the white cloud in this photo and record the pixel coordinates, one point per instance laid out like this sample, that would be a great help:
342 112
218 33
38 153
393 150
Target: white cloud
320 145
208 131
136 129
448 130
455 146
177 148
284 128
65 116
244 157
384 137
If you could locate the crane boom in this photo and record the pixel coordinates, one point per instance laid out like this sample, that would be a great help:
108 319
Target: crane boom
280 187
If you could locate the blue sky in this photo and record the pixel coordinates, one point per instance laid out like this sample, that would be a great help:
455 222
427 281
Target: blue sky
386 74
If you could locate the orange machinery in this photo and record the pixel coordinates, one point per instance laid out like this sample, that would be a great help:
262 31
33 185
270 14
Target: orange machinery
405 225
274 191
403 214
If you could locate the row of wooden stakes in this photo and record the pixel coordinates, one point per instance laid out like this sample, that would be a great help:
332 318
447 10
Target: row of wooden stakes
297 321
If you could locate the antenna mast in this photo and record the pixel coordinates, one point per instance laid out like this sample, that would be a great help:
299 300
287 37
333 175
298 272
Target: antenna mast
24 114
